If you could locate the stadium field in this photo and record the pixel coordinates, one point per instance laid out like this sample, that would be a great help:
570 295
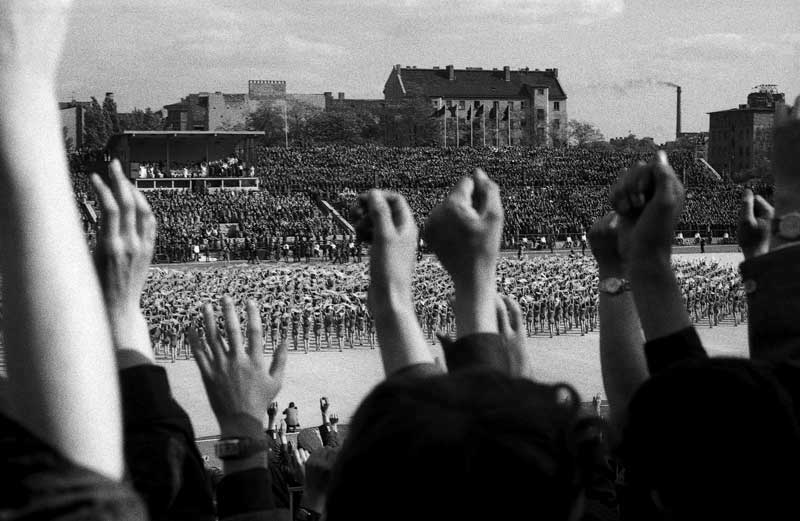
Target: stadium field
346 377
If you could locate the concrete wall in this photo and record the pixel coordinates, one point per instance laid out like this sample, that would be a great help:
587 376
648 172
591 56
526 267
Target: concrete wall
227 111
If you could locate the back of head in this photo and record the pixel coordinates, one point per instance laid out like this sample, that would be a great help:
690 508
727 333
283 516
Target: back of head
473 444
715 439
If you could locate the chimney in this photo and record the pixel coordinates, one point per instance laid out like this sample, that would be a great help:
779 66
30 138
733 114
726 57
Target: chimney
110 95
451 73
507 73
678 119
553 72
341 96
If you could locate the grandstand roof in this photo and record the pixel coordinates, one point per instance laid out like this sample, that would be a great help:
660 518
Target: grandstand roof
190 133
477 83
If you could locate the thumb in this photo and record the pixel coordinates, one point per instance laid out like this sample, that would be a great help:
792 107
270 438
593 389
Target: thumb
379 211
746 214
762 209
666 187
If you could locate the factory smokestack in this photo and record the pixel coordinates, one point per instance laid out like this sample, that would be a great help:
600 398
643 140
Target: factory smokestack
678 119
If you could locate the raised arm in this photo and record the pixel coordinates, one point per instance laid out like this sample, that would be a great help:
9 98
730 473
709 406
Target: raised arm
622 359
465 232
391 268
62 373
649 200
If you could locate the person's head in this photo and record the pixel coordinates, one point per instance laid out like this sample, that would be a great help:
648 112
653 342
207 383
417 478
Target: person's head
291 405
715 439
466 445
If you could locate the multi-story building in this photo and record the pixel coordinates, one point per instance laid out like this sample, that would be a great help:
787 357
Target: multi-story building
740 139
218 111
499 106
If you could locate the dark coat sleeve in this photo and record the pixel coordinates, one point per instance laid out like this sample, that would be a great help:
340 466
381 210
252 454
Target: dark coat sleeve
772 284
160 450
678 347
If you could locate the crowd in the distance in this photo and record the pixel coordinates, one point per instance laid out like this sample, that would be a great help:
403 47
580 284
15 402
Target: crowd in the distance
552 193
89 428
230 166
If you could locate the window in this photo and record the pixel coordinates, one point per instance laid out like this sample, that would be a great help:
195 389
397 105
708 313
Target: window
540 114
540 92
556 106
556 124
522 123
462 105
449 103
521 105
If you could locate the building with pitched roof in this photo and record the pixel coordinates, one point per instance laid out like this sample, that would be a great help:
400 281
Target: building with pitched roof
492 107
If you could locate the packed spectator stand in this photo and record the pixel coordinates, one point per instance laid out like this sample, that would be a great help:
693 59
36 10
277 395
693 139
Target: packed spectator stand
548 193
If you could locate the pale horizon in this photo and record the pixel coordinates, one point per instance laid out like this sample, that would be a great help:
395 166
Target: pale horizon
614 56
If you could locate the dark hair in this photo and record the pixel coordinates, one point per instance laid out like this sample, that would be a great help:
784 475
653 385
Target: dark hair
715 439
464 445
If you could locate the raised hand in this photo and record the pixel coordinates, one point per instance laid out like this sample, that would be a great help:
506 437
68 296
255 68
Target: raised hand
755 225
604 240
323 405
391 267
465 232
240 387
334 418
124 250
297 465
393 251
466 228
512 328
272 410
649 199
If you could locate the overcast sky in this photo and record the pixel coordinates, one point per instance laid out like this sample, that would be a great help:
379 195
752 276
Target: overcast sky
611 54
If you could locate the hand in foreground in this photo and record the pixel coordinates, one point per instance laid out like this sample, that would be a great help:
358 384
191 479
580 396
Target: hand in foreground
512 328
755 225
786 157
649 199
297 465
604 242
393 250
324 405
317 469
31 35
466 228
124 250
239 386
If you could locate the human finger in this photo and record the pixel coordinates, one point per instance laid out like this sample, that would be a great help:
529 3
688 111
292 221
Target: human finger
746 213
212 333
233 328
503 321
762 209
145 220
401 212
123 193
109 206
514 313
379 211
486 196
254 330
462 192
277 367
200 351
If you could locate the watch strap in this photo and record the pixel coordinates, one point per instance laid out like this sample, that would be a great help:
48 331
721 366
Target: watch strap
240 448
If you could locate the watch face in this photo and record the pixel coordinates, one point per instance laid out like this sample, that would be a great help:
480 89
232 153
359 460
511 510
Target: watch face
790 226
227 448
611 285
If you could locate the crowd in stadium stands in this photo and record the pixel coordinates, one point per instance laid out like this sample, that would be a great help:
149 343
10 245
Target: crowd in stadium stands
553 194
90 429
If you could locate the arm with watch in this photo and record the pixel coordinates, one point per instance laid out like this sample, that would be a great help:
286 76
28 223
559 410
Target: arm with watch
771 276
649 199
622 358
240 389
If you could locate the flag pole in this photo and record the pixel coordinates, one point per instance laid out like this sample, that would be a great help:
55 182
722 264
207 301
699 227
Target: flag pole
444 115
285 125
457 125
497 127
483 125
509 125
470 129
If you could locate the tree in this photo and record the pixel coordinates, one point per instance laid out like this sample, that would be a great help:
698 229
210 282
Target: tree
97 127
582 133
269 119
557 134
110 109
141 120
631 143
299 114
338 127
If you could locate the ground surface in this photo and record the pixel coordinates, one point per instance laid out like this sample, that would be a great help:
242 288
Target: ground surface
345 378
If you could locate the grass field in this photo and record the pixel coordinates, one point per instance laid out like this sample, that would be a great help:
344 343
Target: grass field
346 378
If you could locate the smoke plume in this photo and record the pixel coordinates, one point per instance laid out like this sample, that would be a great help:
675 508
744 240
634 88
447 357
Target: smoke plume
626 87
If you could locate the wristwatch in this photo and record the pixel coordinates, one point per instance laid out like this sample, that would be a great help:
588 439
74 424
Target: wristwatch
239 448
613 286
304 514
787 227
